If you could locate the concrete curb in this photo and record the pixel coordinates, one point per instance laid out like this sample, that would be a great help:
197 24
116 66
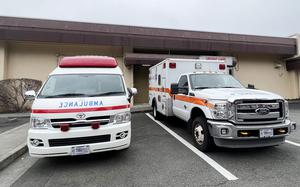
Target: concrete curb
141 110
12 155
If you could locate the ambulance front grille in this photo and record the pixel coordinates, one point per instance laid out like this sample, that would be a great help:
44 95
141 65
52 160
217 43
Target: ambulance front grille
79 140
259 111
73 123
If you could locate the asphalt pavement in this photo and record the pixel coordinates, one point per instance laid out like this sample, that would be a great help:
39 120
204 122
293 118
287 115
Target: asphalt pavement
156 158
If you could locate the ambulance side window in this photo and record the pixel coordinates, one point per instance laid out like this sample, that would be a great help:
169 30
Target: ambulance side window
159 80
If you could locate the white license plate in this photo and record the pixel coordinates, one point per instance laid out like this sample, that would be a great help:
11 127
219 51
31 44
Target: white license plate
80 150
264 133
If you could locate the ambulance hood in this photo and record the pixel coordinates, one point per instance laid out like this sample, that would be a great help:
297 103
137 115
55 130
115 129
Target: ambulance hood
232 94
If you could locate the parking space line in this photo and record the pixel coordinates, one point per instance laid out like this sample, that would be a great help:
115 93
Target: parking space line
211 162
293 143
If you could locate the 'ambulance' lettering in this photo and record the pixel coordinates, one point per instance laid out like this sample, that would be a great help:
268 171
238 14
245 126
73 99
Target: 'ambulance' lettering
80 104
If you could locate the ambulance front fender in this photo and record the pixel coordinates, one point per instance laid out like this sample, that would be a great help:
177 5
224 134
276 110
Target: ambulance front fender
200 110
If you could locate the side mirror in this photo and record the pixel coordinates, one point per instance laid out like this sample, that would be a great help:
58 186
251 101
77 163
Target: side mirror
30 95
251 86
174 88
132 92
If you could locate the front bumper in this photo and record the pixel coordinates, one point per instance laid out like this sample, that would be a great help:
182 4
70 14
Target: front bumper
50 151
232 140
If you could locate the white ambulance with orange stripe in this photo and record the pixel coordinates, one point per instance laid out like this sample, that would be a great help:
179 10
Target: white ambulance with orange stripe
217 108
83 107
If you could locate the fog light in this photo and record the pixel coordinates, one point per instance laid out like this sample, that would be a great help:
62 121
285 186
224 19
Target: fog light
244 133
36 142
121 135
224 131
281 131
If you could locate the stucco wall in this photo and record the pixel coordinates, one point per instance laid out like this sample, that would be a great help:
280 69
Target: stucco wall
37 60
268 73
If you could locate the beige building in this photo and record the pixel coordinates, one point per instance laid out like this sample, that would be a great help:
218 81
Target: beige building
31 48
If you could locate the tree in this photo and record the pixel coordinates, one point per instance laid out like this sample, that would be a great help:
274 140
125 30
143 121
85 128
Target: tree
12 98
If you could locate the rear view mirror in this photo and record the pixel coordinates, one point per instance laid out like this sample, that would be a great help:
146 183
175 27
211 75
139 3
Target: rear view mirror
251 86
174 88
30 95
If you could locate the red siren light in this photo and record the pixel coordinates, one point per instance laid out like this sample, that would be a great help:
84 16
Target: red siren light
88 61
222 66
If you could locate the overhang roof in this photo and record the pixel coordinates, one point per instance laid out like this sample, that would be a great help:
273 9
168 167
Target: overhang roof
38 30
151 59
293 63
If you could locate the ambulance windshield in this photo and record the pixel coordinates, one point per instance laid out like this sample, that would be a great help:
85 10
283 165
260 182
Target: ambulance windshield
203 81
83 85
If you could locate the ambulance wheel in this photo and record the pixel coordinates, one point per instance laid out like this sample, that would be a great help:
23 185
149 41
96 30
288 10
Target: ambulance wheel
202 139
156 114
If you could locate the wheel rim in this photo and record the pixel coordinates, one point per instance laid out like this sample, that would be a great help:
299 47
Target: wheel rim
154 111
199 134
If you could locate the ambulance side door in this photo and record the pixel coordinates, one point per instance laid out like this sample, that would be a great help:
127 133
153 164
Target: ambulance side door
181 100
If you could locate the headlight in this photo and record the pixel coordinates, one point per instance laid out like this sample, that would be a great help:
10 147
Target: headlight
122 117
221 109
286 108
40 123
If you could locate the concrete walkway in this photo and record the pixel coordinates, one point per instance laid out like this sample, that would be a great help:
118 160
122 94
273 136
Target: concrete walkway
12 144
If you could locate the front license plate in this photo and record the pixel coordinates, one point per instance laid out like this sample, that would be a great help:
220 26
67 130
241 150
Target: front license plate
265 133
80 150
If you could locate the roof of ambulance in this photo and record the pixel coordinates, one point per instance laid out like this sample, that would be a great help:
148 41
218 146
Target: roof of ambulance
87 65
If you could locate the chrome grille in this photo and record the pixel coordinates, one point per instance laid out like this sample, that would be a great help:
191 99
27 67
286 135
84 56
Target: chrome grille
103 120
259 111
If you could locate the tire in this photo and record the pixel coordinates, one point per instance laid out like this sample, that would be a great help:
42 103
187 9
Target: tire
156 114
202 139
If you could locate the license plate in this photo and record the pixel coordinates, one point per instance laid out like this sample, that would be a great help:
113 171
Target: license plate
80 150
265 133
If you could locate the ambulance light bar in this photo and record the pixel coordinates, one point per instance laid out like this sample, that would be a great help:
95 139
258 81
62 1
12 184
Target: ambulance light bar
88 61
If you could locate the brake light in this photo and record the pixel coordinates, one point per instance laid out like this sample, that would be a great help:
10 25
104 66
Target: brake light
172 65
164 66
222 66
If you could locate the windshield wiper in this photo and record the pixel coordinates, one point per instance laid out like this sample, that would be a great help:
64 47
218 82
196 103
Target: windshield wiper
106 93
202 87
63 95
228 87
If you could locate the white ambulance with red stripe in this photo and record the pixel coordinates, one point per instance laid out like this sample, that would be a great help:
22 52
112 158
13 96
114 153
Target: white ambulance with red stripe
217 108
83 107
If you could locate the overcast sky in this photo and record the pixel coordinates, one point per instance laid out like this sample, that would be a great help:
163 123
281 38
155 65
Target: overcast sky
259 17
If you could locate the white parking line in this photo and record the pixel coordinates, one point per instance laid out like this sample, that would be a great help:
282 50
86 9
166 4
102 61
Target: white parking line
207 159
293 143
